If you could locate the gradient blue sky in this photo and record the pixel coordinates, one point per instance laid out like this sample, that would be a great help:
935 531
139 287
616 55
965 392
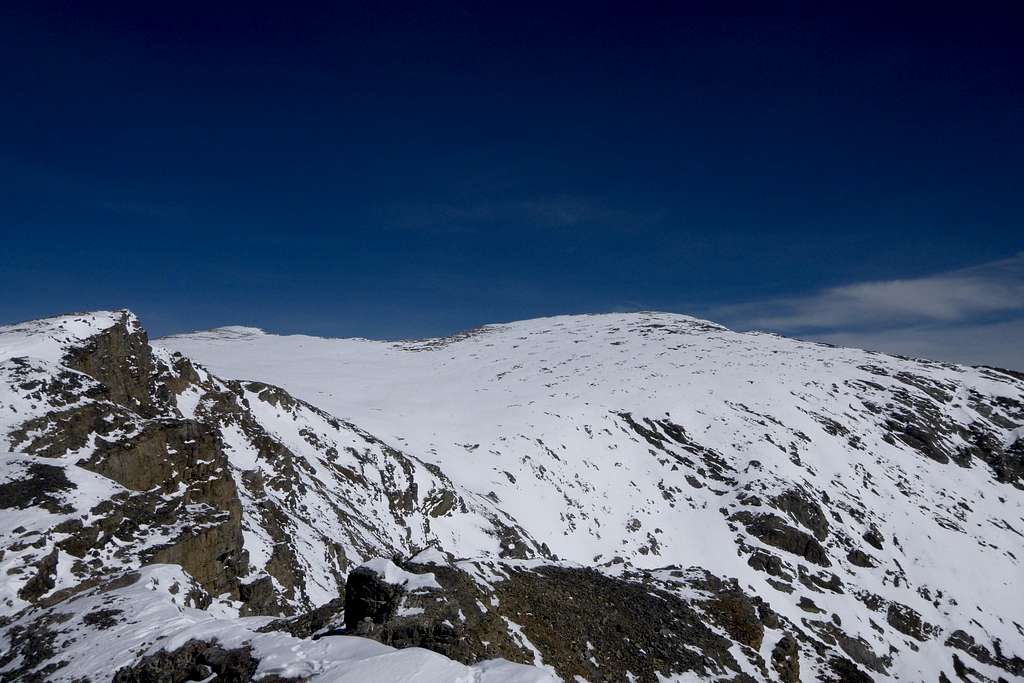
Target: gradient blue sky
400 170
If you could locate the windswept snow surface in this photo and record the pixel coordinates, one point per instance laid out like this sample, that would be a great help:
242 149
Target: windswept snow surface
642 435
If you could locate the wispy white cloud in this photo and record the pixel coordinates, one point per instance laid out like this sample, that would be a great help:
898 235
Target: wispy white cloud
972 315
1000 344
955 296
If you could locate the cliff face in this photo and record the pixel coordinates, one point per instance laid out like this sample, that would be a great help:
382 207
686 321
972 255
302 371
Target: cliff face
140 483
611 497
137 456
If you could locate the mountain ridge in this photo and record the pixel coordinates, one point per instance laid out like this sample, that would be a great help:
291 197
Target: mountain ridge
819 478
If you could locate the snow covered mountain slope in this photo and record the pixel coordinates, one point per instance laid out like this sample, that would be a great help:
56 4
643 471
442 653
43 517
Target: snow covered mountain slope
844 487
122 456
308 494
619 497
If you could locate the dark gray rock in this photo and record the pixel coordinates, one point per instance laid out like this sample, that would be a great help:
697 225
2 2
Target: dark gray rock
799 505
774 531
786 659
197 660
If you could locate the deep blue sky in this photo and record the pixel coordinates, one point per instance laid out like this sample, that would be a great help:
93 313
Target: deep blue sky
402 171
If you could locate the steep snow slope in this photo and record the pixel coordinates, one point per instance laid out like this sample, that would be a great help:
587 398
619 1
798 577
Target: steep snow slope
877 492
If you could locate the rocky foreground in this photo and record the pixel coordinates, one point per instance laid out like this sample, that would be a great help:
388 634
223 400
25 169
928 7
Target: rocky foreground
609 498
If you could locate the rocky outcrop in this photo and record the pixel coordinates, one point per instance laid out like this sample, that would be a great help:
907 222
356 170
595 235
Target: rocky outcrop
799 505
38 486
994 656
327 619
185 459
909 622
434 606
196 660
786 659
773 530
121 360
575 620
176 502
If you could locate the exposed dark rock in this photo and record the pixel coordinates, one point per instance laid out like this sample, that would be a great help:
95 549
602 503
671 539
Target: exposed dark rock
102 618
772 565
848 672
663 434
120 359
874 537
259 597
786 659
448 620
963 641
858 649
774 531
965 672
43 580
63 431
807 605
29 646
369 599
169 454
909 622
42 384
804 510
860 558
196 660
631 625
734 610
326 619
819 581
40 486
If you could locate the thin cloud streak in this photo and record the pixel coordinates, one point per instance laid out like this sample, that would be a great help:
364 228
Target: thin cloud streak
995 288
972 315
997 344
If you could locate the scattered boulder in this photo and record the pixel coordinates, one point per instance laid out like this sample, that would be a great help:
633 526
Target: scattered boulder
874 537
860 558
799 505
196 660
774 531
327 619
909 622
370 599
